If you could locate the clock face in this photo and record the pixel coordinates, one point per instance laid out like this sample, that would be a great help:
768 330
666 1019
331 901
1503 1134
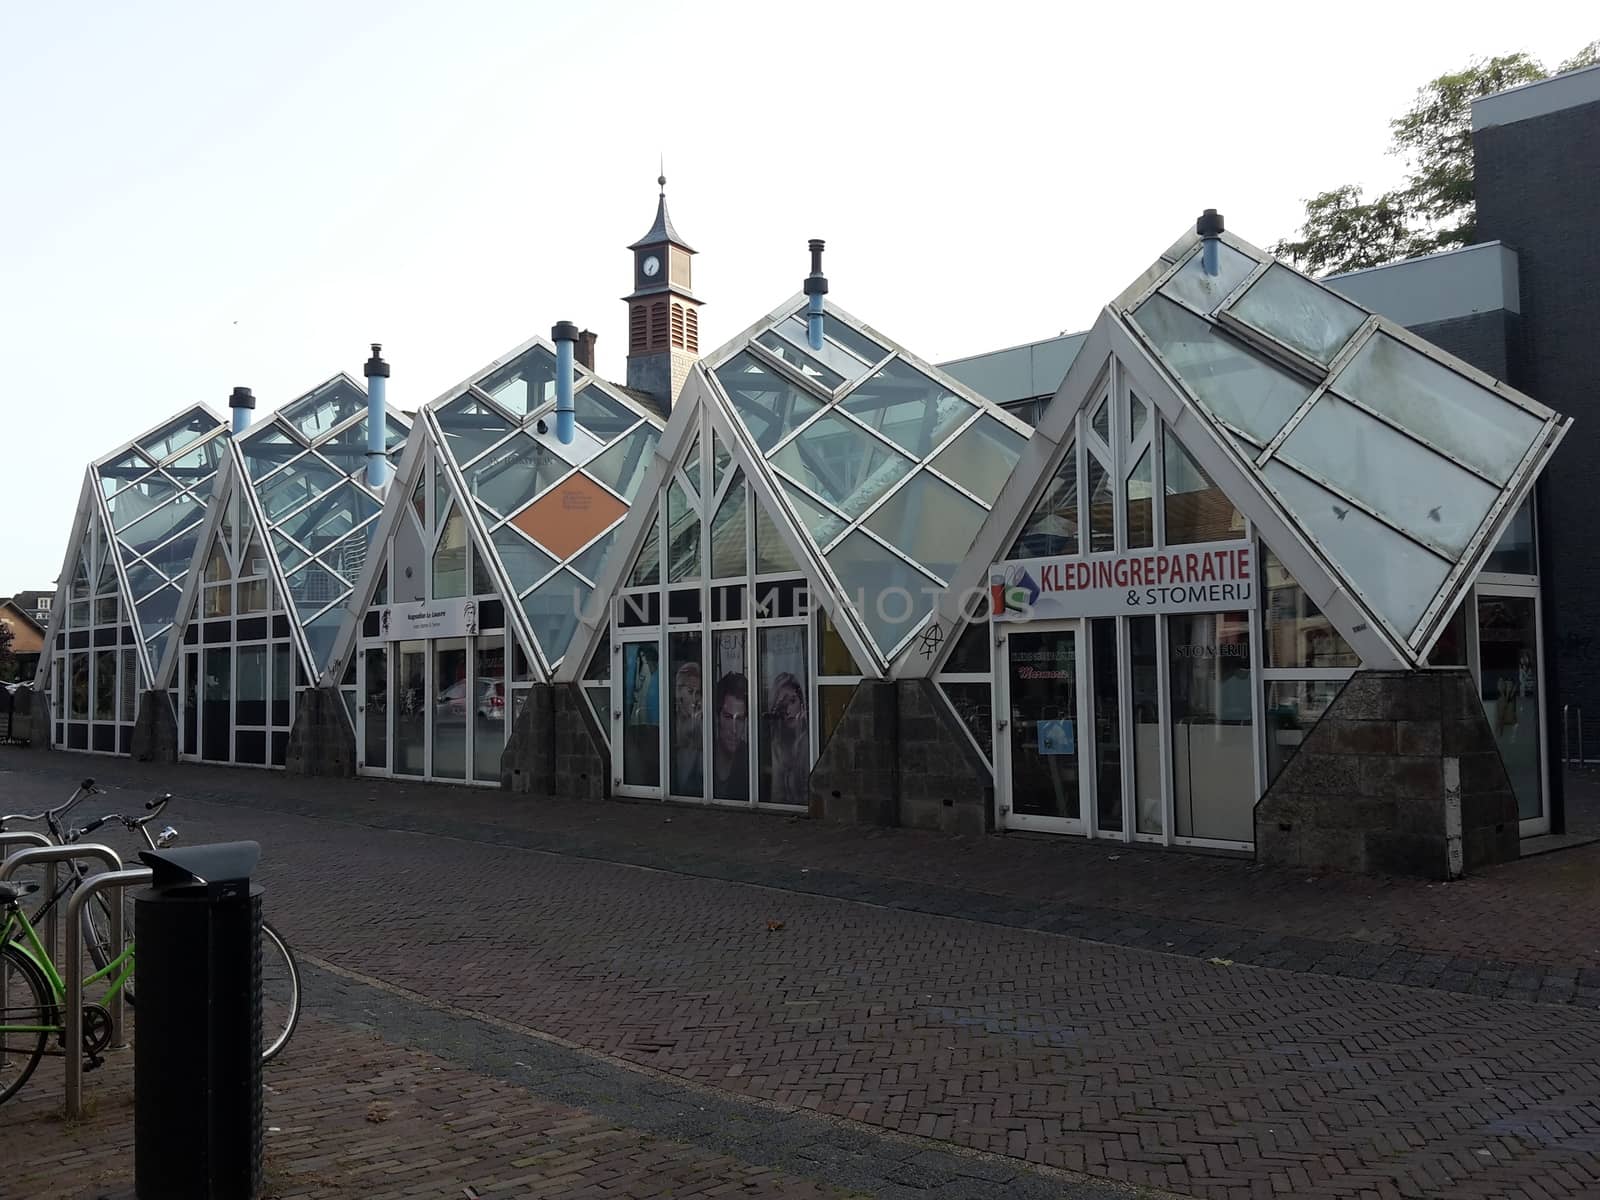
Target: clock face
651 267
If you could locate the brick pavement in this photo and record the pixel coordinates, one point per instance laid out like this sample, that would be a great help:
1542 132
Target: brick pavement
1208 1079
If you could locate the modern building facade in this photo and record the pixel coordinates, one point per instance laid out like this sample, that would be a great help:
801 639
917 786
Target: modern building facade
1255 563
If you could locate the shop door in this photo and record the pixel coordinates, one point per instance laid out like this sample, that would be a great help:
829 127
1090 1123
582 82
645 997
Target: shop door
1040 735
1509 680
372 709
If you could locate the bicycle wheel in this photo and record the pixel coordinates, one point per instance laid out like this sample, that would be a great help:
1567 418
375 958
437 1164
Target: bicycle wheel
25 1000
96 918
280 992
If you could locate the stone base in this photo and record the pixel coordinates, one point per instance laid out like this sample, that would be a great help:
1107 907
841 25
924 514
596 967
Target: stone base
1400 776
900 757
25 718
555 748
321 742
155 729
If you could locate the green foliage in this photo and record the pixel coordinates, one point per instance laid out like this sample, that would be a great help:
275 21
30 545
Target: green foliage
1437 207
8 660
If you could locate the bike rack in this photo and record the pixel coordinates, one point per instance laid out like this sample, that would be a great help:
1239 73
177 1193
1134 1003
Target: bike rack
31 837
74 1037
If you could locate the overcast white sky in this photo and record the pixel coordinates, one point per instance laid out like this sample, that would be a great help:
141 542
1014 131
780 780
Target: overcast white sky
210 194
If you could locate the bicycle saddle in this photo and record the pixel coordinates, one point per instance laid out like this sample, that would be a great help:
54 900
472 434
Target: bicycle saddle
10 893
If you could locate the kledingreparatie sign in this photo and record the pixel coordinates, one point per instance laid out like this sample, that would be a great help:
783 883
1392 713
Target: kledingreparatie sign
1208 577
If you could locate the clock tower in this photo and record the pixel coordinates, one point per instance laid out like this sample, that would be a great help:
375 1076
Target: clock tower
663 314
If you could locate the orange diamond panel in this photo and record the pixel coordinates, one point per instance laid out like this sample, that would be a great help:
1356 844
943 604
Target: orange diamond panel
569 517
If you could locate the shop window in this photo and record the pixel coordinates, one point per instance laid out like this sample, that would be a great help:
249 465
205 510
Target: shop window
1195 508
450 559
731 717
1213 752
1293 707
686 732
641 715
1298 634
784 763
1107 723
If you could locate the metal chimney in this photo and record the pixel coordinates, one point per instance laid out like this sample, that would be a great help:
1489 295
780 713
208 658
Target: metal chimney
377 373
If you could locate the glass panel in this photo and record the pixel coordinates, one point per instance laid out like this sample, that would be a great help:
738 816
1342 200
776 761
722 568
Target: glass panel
1236 385
196 465
728 534
250 686
971 653
157 610
1508 664
1102 509
602 416
1140 417
321 632
973 704
282 683
121 471
1143 688
687 731
1397 576
1044 725
1299 313
888 592
647 567
128 687
1514 554
823 524
148 494
1212 726
410 708
1101 422
105 611
622 467
267 450
833 656
982 457
297 483
641 714
720 460
1193 286
507 478
553 609
593 560
1293 707
1107 723
329 517
844 465
772 552
450 702
216 701
78 692
1450 650
151 530
375 708
683 536
218 601
785 751
106 584
105 685
1297 633
909 408
843 349
525 383
169 439
482 584
394 433
419 497
81 589
1052 529
346 449
1141 502
1450 411
600 704
801 360
1421 492
930 522
691 465
335 402
489 708
450 559
1195 509
524 562
312 586
768 404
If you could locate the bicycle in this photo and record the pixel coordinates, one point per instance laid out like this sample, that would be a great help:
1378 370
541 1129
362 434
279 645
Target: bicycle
280 977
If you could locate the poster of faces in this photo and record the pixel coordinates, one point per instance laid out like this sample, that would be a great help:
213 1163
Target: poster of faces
730 716
641 723
785 748
687 730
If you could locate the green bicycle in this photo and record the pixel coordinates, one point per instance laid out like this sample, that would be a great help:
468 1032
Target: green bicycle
33 992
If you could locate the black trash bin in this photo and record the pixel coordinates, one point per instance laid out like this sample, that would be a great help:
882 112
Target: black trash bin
197 1043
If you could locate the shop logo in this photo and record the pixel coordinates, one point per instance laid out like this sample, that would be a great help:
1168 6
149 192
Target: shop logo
1015 591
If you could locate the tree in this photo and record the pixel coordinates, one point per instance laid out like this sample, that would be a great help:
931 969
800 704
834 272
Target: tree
1437 208
8 660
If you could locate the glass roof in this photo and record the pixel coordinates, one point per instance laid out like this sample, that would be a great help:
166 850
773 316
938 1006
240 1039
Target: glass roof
156 493
1391 457
307 468
550 511
887 465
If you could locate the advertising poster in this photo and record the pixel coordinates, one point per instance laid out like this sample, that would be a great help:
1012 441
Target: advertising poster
785 764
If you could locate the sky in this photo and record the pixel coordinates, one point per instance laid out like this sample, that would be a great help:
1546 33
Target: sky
198 196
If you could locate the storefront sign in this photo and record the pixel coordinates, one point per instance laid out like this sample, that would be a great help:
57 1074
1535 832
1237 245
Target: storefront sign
1209 577
429 619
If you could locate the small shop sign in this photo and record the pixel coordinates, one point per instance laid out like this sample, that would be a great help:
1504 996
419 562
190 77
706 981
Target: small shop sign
430 619
1208 577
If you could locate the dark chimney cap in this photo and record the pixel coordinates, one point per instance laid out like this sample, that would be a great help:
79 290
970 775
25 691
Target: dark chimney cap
1210 223
564 331
242 397
376 367
816 282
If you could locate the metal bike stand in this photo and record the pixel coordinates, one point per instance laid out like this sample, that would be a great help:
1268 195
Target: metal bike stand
91 887
30 837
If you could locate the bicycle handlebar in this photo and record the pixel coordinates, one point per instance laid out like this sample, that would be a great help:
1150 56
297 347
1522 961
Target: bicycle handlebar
86 788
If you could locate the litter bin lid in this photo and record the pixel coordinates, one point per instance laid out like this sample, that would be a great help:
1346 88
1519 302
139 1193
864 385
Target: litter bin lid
213 865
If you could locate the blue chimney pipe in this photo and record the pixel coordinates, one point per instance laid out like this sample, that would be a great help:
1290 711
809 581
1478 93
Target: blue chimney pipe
816 287
565 336
1209 227
377 373
243 403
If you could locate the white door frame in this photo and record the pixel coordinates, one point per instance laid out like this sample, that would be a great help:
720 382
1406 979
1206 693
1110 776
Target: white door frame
1006 816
